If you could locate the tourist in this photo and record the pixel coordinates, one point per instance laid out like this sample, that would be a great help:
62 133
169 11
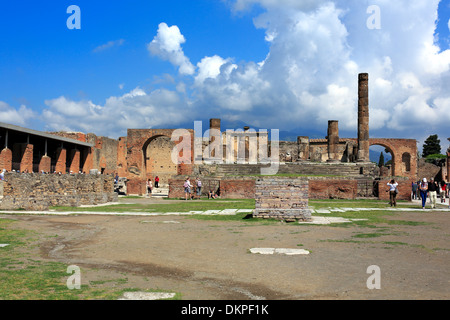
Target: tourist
187 189
2 174
116 178
199 187
157 182
393 192
414 190
211 194
149 187
423 187
432 190
443 190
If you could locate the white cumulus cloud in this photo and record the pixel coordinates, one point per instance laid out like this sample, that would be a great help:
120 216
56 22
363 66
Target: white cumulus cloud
167 45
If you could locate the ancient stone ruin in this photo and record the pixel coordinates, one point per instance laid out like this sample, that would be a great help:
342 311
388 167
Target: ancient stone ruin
231 158
282 198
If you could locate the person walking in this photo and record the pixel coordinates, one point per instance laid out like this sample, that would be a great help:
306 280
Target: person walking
432 191
414 190
423 187
199 187
187 189
443 190
149 187
393 192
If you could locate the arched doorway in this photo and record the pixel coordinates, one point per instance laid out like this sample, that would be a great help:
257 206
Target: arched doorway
157 159
384 157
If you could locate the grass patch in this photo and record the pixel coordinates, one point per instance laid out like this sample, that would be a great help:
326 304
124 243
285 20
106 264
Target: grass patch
185 206
368 235
24 278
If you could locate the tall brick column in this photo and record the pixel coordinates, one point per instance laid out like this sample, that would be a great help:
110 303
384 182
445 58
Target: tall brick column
74 160
45 164
61 158
23 153
363 117
88 156
333 141
6 159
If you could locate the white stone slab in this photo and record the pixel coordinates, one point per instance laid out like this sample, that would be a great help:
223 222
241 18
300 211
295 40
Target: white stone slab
245 211
146 296
285 251
323 211
211 212
3 245
291 252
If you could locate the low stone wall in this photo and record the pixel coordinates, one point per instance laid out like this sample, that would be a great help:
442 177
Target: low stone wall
282 198
229 189
33 191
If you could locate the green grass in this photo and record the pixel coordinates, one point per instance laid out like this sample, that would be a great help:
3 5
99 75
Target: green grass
24 278
185 206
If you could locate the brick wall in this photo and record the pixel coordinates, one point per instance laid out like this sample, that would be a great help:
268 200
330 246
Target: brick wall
34 191
404 188
6 159
237 189
332 189
282 198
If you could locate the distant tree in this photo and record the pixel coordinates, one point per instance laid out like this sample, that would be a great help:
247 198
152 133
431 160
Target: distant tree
432 145
381 160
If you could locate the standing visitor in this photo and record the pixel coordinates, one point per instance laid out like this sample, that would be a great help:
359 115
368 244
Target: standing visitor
149 187
157 182
187 189
443 190
199 187
432 189
414 190
423 187
393 192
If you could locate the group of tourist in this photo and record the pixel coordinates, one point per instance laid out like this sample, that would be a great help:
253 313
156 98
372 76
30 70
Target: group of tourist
150 185
421 190
190 190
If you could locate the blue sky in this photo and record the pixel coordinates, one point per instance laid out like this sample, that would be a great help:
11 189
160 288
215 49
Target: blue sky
286 64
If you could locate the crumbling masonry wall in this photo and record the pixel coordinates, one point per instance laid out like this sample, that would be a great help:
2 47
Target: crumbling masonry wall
34 191
282 198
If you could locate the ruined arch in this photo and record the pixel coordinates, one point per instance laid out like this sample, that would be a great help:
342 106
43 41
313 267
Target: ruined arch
390 168
157 158
138 141
404 155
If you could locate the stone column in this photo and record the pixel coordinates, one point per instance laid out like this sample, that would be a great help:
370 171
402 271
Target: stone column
6 159
74 160
61 158
303 148
45 164
23 153
214 124
363 117
333 140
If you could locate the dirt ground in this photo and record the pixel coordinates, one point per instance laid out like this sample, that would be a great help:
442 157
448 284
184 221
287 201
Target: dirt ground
210 260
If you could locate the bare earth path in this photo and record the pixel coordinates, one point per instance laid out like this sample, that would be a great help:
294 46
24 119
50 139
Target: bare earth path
210 259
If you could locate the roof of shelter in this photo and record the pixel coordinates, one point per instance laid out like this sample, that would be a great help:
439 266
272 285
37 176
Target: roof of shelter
43 134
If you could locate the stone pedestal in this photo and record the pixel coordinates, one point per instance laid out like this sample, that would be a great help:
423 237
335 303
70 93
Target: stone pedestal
282 198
